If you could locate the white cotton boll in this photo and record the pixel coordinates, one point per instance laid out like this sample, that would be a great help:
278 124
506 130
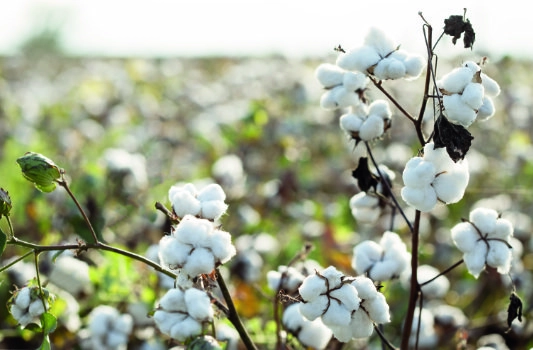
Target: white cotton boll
418 173
450 186
273 280
366 254
353 81
220 245
423 199
116 339
455 81
342 333
499 256
347 295
359 59
438 287
173 300
473 95
333 276
292 318
503 229
484 219
187 328
382 44
314 334
380 108
487 110
211 192
329 75
414 65
475 259
383 270
312 287
336 314
365 208
198 304
365 287
328 100
377 309
457 111
492 88
200 261
438 156
36 308
464 236
361 325
124 323
192 230
172 252
314 309
23 298
351 122
396 69
346 98
391 240
372 128
213 210
166 320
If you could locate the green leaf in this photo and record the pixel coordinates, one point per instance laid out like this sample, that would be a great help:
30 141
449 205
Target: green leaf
45 345
40 170
49 322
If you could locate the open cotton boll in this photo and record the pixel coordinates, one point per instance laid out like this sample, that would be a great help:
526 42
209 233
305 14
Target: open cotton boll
173 300
455 81
390 68
328 100
36 308
346 98
502 230
23 298
353 81
336 314
414 64
221 247
364 207
450 186
383 270
372 128
492 88
188 187
380 42
499 256
473 95
200 261
418 173
198 304
329 75
438 287
464 236
359 59
361 325
484 219
475 259
172 252
185 329
380 108
333 276
211 192
421 198
213 210
192 230
365 287
166 320
457 111
366 254
314 334
184 203
347 295
313 310
312 287
378 309
487 110
391 240
351 122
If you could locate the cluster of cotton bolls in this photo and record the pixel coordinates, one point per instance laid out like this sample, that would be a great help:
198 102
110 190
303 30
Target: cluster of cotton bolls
181 313
433 178
383 261
208 203
467 94
343 88
196 247
26 305
108 328
349 306
485 240
366 206
367 122
312 334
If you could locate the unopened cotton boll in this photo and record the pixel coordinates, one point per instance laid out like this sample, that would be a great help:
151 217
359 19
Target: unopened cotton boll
329 75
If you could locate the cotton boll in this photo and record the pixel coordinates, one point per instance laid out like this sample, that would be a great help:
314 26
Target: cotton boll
354 81
336 314
475 259
314 334
366 254
359 59
438 287
329 75
455 81
418 173
23 298
192 230
328 100
487 110
333 276
423 199
396 69
413 66
213 210
499 256
172 252
365 287
383 270
200 261
187 328
391 240
450 186
346 98
173 300
457 111
484 219
382 44
373 127
198 304
378 309
165 320
380 108
473 95
351 122
361 325
347 295
491 86
36 308
115 339
365 208
503 229
313 310
464 236
220 244
312 287
212 192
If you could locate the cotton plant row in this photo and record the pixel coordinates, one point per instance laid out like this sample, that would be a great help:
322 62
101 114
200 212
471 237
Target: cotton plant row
316 306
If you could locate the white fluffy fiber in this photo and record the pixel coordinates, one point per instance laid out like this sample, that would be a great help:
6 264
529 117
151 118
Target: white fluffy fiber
207 203
484 240
367 123
26 307
310 333
109 328
365 207
434 177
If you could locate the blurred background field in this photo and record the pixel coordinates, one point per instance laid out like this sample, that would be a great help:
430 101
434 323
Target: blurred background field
127 128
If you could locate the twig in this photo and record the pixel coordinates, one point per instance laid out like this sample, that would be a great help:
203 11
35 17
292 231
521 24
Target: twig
443 272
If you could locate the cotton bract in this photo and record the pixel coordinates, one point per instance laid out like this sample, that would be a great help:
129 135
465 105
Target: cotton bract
108 328
432 178
467 94
383 261
485 240
181 313
26 305
207 203
313 334
196 247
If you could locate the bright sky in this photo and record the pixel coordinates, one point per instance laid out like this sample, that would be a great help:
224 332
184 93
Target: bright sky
244 27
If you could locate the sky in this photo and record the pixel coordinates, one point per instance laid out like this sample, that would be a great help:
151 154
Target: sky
255 27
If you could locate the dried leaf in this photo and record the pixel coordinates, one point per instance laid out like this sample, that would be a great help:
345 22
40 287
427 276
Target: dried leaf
456 25
365 178
455 138
515 309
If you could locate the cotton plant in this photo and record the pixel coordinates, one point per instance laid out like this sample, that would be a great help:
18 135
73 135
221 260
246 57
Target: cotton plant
181 313
27 305
381 261
311 334
207 203
349 306
467 94
434 178
108 328
485 241
195 246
